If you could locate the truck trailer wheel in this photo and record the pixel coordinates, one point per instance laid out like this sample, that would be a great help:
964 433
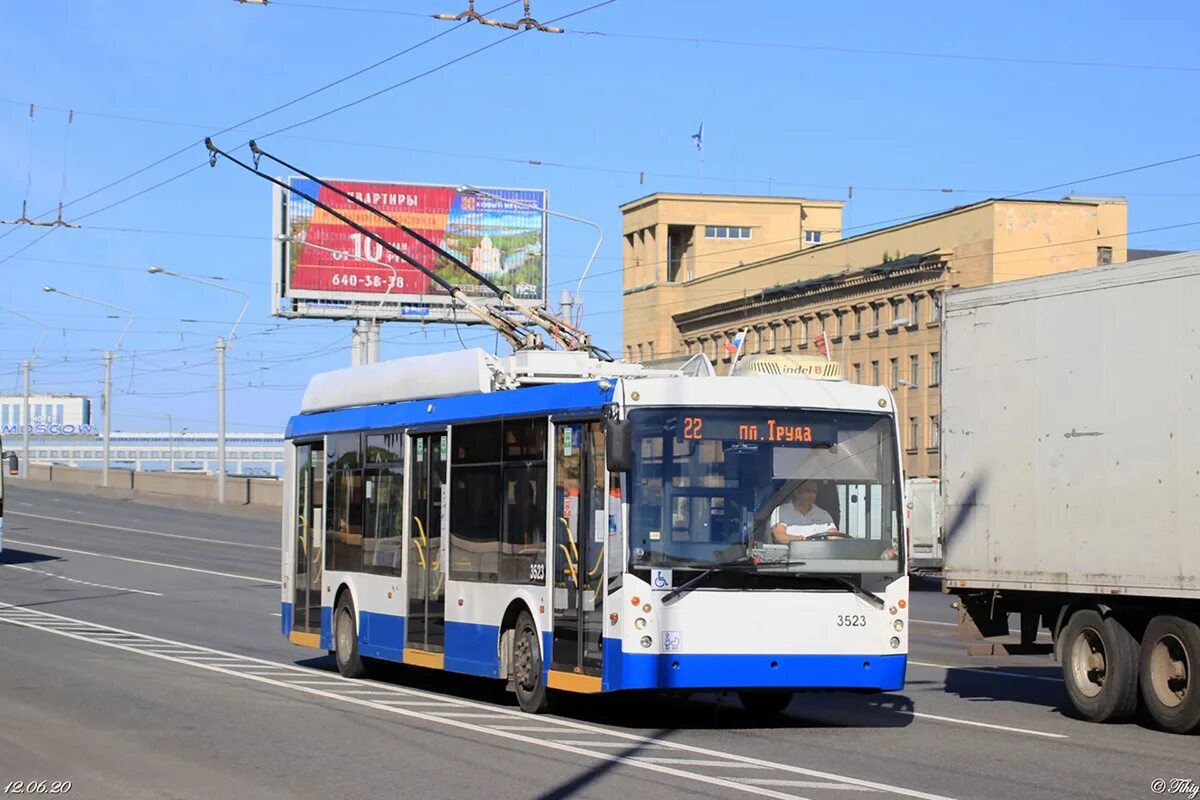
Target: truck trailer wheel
1100 667
1170 673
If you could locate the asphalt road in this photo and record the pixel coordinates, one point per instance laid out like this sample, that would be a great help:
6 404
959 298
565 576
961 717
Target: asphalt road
140 656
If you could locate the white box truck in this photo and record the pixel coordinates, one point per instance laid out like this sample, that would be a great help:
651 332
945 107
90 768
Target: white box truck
923 518
1071 478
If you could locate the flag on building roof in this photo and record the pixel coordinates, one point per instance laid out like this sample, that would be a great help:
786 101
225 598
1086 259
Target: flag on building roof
698 138
822 344
732 346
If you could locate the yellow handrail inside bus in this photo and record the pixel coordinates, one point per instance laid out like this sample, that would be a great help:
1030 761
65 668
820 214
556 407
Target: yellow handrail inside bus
570 570
420 543
599 563
570 536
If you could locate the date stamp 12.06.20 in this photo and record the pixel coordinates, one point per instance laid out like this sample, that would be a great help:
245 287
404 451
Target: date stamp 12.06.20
42 786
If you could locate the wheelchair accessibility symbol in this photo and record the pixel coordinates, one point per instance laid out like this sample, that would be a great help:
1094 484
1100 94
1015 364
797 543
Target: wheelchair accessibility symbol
660 579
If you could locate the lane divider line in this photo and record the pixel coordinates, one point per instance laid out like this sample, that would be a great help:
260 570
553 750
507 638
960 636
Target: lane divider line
270 581
985 671
274 548
81 582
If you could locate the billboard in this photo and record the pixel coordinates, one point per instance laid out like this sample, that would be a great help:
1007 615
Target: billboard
324 268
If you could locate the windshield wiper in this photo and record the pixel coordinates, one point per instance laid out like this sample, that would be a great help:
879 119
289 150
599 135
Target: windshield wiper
743 561
871 598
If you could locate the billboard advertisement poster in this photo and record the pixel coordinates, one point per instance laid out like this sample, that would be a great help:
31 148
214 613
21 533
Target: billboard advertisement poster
325 268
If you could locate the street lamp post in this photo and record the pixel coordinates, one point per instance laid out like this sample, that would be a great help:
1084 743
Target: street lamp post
106 397
577 302
222 347
26 366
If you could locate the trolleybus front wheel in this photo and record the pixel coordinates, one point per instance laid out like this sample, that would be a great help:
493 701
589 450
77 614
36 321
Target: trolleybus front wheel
345 639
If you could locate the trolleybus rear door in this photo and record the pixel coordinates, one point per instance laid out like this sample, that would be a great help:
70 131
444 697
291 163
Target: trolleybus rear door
426 626
581 529
308 555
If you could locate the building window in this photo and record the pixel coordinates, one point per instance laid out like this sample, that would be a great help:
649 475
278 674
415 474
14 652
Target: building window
914 433
895 364
914 317
756 340
1103 256
935 306
772 337
935 368
858 373
858 324
914 371
629 352
935 432
875 374
840 326
641 354
726 232
876 318
812 237
651 351
898 317
804 333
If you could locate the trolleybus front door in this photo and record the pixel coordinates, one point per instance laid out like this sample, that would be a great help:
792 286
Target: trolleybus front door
426 627
308 556
581 528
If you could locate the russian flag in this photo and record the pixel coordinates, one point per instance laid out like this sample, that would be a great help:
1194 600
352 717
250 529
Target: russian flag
732 347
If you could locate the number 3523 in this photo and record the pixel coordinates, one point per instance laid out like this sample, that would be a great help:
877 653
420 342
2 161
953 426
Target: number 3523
851 620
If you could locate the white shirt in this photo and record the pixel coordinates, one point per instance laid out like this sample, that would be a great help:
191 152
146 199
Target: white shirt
816 520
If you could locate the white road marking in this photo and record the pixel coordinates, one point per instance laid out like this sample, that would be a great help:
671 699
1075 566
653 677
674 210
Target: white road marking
84 583
37 620
467 714
274 548
597 743
985 671
694 762
993 726
798 784
149 563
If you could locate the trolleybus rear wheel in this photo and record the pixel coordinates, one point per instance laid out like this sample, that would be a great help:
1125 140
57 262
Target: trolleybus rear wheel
526 667
345 639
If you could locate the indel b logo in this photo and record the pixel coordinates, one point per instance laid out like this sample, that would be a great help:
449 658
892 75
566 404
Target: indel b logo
468 203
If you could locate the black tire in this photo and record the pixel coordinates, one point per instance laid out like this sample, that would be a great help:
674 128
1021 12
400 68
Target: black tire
525 668
767 704
1100 667
1170 673
345 639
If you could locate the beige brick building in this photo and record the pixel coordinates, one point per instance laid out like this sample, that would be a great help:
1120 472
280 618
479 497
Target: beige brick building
876 296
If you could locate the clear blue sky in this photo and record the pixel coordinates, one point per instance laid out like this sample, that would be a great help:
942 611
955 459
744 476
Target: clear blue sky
828 111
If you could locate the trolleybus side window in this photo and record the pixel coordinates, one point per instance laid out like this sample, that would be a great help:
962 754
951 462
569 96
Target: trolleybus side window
344 506
384 515
498 500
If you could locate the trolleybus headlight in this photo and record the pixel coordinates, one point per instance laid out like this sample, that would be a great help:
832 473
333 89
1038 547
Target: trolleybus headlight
647 641
639 623
646 608
895 642
898 625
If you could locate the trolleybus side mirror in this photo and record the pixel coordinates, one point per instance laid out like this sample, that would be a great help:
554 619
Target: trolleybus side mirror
618 445
12 464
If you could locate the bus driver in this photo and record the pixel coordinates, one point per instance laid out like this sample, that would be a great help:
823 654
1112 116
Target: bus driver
802 517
